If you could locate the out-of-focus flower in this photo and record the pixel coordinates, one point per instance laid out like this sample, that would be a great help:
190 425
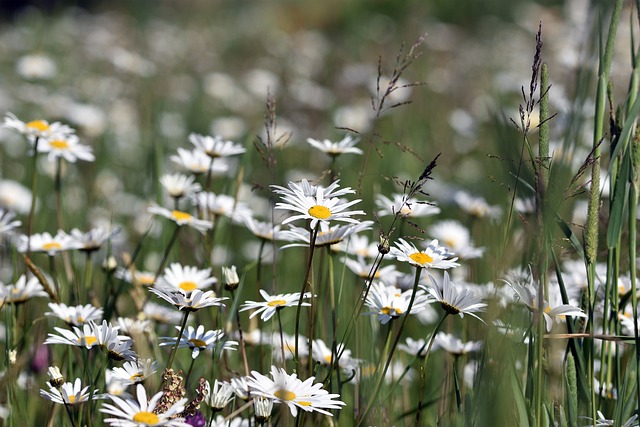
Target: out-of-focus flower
327 236
14 196
476 206
456 237
178 185
36 66
45 242
414 347
231 279
36 128
93 239
75 315
21 291
197 162
334 149
454 345
222 205
214 146
263 230
7 224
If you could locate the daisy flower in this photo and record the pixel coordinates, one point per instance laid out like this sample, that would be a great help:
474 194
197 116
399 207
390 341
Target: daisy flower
197 162
240 387
296 394
68 393
360 247
132 413
318 207
270 304
136 277
67 147
389 302
454 300
433 256
192 302
334 149
406 207
388 274
456 237
185 279
93 239
35 128
45 242
135 371
222 205
21 291
262 407
454 345
288 344
118 347
198 340
84 337
305 188
178 185
528 295
135 326
413 347
215 146
322 353
75 315
7 224
182 218
161 314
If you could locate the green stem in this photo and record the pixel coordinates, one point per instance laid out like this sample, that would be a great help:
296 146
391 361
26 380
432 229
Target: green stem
174 350
165 257
32 209
312 246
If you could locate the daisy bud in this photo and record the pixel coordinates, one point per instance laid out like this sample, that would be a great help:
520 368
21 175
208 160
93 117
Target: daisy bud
110 264
383 247
55 376
231 278
13 354
263 407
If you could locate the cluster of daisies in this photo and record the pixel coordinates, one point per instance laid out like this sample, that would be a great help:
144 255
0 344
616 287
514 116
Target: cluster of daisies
180 306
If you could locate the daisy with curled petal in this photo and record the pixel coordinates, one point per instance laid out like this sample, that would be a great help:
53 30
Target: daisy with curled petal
21 291
135 371
389 302
75 315
182 218
66 146
215 146
132 413
453 300
68 394
334 149
35 128
185 279
454 345
192 302
198 340
271 304
7 224
433 256
45 242
404 206
319 208
197 162
179 185
296 394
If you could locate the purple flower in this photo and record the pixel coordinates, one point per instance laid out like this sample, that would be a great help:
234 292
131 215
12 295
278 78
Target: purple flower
196 420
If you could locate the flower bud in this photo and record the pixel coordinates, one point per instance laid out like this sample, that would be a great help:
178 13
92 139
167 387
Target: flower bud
231 279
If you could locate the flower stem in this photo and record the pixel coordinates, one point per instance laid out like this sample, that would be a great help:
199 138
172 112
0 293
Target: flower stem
312 245
185 317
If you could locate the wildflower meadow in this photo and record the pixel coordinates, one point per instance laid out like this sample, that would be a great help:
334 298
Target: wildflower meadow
358 213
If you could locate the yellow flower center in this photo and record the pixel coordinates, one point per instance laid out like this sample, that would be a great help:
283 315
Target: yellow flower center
72 398
276 303
449 242
51 245
148 418
386 310
303 403
328 358
421 258
80 319
39 125
284 395
136 377
187 286
59 144
181 216
198 343
320 212
89 340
